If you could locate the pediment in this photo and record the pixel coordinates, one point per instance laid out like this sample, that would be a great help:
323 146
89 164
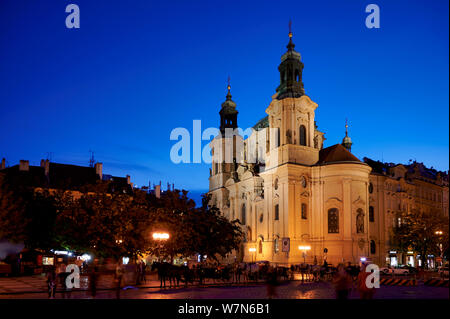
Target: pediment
333 199
359 201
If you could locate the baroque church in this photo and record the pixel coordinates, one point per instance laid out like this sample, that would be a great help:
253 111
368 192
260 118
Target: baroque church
300 202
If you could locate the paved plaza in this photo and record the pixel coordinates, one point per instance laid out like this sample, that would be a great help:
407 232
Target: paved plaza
34 287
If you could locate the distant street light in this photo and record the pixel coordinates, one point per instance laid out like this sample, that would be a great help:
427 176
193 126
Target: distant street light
439 233
253 251
304 249
160 236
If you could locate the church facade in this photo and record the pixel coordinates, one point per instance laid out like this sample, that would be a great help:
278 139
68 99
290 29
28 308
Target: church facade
296 200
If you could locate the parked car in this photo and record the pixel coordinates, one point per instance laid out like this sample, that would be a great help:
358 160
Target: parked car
412 270
394 271
443 271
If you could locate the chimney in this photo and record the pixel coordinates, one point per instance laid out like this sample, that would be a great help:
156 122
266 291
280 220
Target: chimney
3 164
158 191
24 165
99 169
128 179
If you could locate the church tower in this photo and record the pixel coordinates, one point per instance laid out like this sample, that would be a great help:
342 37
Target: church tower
291 69
293 134
228 113
226 150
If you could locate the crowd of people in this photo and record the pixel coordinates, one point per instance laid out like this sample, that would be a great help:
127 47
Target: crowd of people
344 278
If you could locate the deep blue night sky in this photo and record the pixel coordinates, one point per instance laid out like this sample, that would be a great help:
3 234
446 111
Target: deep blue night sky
137 69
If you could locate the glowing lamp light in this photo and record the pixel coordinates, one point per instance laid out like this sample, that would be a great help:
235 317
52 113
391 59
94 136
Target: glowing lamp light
363 259
160 236
252 250
304 247
85 257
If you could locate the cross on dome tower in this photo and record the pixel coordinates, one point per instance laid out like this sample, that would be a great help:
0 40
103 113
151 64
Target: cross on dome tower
291 68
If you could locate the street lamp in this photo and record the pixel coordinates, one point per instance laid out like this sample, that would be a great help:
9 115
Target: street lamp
304 249
439 233
252 250
160 237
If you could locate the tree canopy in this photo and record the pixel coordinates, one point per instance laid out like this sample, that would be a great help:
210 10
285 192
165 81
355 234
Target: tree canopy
423 232
116 224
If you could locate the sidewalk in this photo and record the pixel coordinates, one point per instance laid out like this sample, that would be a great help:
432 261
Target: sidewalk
37 283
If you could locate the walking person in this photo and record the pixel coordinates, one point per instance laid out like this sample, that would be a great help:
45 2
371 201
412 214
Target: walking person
93 277
364 291
51 282
342 283
118 278
142 271
272 282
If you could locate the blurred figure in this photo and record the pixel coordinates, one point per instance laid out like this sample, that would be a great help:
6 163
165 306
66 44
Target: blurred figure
272 282
118 278
93 277
364 291
51 282
142 268
342 283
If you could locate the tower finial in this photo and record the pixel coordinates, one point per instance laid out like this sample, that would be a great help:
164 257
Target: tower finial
347 141
290 28
346 127
229 84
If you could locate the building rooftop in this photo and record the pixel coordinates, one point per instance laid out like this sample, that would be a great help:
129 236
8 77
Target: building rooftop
336 153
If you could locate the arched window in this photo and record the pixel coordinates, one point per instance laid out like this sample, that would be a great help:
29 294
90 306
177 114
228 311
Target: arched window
333 221
371 214
276 244
216 168
260 246
243 215
302 135
277 132
304 211
373 247
277 212
297 76
359 221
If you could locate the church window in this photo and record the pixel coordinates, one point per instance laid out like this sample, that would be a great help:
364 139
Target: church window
333 221
371 214
373 247
370 188
277 212
302 135
304 212
297 75
243 215
260 247
277 132
261 218
216 168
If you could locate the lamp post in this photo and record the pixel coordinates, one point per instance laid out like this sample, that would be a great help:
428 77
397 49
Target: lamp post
253 251
304 249
160 237
439 233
